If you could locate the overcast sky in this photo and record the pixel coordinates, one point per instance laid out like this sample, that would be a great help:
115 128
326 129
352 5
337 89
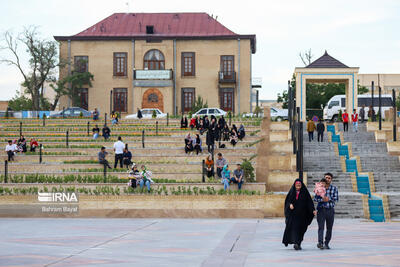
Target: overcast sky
361 34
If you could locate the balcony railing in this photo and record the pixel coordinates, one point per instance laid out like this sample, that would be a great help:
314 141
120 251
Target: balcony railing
152 74
227 76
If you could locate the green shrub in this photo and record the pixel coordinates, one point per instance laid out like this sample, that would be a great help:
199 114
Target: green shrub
340 115
248 170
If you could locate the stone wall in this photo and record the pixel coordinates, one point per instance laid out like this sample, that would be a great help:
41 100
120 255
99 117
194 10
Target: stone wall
145 206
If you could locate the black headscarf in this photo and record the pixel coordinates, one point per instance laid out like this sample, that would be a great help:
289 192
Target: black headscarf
298 219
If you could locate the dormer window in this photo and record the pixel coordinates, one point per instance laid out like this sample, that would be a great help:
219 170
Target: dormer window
149 29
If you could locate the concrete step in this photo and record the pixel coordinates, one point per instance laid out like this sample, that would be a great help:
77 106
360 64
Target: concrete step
259 187
230 157
394 204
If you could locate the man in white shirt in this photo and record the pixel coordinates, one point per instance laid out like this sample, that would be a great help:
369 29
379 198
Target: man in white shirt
10 149
119 151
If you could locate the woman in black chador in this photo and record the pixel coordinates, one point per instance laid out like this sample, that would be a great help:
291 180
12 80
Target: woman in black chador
299 213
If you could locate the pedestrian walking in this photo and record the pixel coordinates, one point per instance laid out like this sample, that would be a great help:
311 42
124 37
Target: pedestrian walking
299 213
345 119
326 211
119 152
354 120
320 130
310 130
362 113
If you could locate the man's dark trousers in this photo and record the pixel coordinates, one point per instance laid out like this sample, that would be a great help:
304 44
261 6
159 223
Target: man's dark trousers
328 216
10 155
310 136
345 126
321 135
118 157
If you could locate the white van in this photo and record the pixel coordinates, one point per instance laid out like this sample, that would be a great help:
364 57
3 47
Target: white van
338 102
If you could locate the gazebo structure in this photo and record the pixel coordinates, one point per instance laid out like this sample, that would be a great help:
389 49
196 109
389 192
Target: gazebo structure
326 69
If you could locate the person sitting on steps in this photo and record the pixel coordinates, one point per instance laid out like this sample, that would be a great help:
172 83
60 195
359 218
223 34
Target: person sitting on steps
188 144
106 132
102 157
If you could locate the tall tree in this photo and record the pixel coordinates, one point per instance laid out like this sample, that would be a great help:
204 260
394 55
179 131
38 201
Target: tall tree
43 61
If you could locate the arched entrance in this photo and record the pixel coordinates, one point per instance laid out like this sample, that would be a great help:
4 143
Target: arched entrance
153 98
326 69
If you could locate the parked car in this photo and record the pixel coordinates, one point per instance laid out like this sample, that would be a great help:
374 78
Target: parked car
210 111
72 112
253 115
279 114
147 113
276 114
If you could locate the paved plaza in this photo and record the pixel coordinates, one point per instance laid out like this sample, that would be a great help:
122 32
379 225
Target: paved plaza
190 242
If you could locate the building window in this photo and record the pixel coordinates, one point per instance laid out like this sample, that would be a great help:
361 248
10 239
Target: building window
149 29
80 98
188 98
120 63
120 96
154 60
152 98
81 63
188 64
227 67
84 97
226 99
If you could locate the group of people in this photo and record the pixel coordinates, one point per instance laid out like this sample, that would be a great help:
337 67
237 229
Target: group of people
223 172
320 130
106 132
355 118
216 130
299 212
124 157
19 146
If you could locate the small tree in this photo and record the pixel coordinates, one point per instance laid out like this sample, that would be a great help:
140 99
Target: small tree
257 111
154 115
398 103
199 104
306 57
248 171
340 115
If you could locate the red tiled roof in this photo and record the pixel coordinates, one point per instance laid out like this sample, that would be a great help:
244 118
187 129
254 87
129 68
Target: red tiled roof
125 26
165 24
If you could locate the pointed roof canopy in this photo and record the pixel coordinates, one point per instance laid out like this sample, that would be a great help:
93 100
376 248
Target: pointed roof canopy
326 61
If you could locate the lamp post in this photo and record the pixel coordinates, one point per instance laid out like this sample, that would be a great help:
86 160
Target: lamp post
394 115
290 105
372 104
111 95
380 108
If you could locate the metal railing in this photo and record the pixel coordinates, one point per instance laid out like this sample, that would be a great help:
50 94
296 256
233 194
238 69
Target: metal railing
227 76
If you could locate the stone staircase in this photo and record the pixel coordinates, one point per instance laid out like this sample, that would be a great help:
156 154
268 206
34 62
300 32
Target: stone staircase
319 158
374 158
